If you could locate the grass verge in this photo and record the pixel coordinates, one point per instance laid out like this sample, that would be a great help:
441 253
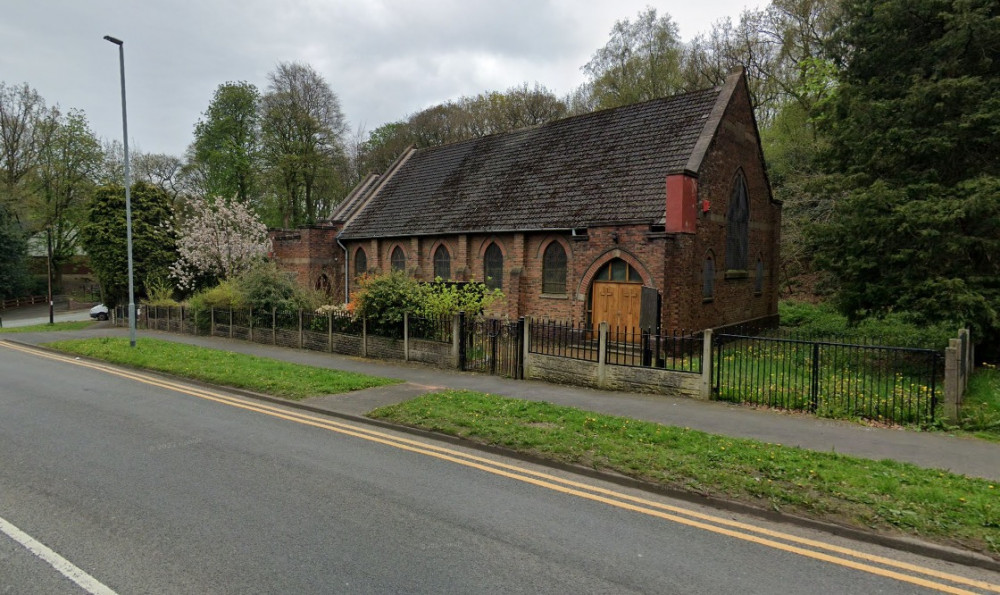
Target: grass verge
980 413
273 377
883 495
46 327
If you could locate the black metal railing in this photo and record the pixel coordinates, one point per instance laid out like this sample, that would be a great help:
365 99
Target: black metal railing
437 328
564 339
678 351
882 383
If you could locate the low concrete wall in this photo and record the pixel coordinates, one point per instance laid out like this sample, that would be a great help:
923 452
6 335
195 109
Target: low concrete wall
583 373
431 352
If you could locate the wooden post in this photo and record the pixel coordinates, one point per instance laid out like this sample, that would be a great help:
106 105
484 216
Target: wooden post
329 332
274 325
211 326
251 323
301 343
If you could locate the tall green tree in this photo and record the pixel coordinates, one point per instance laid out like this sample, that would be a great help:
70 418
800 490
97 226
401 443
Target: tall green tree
642 60
914 131
153 241
226 147
303 128
69 159
14 280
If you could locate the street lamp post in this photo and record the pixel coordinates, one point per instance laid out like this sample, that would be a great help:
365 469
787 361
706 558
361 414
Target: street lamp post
128 195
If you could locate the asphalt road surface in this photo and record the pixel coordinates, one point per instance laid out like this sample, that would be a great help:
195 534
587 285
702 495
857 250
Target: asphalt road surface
115 481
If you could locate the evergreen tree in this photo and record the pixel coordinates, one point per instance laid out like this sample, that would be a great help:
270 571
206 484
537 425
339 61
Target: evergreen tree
914 131
105 239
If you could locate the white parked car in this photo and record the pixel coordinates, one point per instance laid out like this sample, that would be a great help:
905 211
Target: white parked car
100 312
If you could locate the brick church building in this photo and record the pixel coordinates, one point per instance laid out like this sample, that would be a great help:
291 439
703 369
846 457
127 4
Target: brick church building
660 209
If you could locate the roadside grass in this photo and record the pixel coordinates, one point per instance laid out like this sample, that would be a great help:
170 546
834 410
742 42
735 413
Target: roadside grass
46 327
883 495
268 376
980 412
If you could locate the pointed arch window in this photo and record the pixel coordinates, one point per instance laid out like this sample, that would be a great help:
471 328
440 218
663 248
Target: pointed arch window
442 263
397 260
360 262
554 269
758 282
493 267
708 278
738 226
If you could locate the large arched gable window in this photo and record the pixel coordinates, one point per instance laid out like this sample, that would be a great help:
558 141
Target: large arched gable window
442 263
397 260
493 267
554 269
360 262
738 226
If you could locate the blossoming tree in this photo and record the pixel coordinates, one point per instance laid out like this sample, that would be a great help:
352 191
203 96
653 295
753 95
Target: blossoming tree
218 239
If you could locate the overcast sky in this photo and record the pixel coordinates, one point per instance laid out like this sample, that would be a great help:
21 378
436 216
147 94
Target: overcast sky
385 59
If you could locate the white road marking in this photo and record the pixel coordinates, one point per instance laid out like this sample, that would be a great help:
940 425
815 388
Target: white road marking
64 566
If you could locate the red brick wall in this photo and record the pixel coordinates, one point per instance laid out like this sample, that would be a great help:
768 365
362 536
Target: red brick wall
311 252
735 148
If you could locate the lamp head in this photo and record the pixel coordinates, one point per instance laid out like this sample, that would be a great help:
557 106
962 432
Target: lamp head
114 40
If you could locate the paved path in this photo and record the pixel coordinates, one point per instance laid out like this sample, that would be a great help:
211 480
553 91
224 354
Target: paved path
933 449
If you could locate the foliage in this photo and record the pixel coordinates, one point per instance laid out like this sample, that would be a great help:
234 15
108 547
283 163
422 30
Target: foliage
897 328
641 61
13 263
980 410
881 495
218 239
263 286
226 147
384 299
160 292
442 298
489 112
105 239
268 376
302 130
914 139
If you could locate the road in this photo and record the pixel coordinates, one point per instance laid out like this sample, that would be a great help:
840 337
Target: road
144 485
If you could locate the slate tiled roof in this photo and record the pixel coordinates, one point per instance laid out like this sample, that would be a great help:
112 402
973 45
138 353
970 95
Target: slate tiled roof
605 167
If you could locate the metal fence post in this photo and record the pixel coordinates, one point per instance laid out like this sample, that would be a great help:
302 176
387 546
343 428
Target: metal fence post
329 332
814 389
461 340
364 336
251 323
211 325
301 342
522 347
274 325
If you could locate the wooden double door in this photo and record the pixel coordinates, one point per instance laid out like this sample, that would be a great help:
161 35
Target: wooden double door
618 304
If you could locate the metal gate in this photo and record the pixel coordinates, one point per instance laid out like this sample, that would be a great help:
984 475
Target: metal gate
493 346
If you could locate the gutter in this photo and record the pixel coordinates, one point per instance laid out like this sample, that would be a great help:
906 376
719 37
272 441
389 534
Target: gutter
347 269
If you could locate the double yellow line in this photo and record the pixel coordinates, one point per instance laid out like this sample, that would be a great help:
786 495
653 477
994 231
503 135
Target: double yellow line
841 556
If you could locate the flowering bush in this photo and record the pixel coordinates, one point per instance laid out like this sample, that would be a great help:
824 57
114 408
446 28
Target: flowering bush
218 239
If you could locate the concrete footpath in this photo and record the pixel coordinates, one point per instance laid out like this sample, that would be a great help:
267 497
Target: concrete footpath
967 456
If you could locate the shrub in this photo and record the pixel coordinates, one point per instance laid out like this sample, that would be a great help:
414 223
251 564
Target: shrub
384 299
896 328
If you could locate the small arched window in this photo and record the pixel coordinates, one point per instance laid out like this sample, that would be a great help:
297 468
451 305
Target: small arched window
442 263
360 262
397 261
618 270
323 284
493 267
758 282
738 227
708 278
554 269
